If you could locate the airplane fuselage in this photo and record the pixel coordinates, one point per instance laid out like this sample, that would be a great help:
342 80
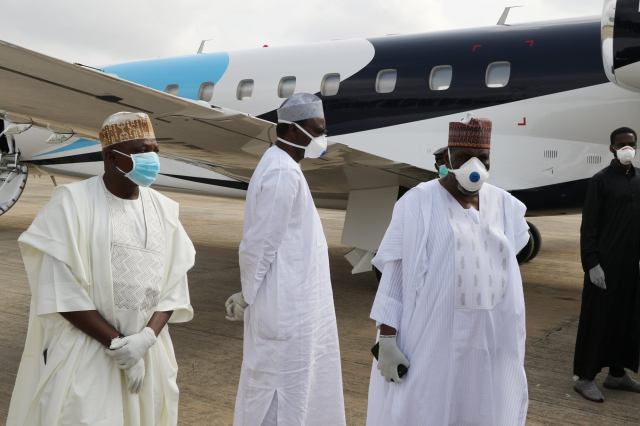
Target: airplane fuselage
542 85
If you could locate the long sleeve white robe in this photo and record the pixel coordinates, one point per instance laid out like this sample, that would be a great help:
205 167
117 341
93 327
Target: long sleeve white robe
67 255
462 331
291 349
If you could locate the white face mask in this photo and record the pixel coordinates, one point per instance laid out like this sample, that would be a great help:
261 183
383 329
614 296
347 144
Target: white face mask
471 175
317 146
626 155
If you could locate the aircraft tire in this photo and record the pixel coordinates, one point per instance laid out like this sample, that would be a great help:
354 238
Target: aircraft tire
525 254
537 240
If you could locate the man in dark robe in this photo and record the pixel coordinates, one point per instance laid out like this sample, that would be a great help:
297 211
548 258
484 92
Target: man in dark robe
609 329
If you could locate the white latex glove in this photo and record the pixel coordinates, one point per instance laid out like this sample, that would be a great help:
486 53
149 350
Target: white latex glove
127 351
235 306
135 376
596 275
389 358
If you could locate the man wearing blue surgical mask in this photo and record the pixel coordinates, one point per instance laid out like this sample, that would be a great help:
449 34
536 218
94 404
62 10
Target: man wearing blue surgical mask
107 262
291 372
450 303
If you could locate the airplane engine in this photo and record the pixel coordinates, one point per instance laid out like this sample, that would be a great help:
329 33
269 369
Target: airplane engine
13 173
621 42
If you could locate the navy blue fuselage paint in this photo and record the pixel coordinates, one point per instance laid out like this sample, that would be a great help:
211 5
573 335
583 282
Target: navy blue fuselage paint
545 59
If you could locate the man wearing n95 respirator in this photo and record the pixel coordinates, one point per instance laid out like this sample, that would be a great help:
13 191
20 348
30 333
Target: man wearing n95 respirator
291 371
450 301
609 328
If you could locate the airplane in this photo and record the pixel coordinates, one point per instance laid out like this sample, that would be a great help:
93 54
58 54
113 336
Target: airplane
554 91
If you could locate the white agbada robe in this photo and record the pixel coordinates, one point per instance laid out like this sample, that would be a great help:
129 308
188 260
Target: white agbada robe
89 250
452 288
291 351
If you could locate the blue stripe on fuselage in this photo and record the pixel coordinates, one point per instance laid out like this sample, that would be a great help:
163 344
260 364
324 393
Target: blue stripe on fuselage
189 72
80 143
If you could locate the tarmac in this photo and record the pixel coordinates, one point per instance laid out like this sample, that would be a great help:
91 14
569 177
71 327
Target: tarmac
209 348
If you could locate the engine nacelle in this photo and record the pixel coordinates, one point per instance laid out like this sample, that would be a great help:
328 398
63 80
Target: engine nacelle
621 42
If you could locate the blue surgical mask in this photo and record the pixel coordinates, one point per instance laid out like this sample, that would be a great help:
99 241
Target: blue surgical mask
443 170
146 167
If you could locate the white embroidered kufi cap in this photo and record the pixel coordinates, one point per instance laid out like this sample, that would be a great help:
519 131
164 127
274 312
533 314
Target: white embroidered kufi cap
126 126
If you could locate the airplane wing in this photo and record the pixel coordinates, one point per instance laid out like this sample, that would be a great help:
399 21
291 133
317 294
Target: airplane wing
49 92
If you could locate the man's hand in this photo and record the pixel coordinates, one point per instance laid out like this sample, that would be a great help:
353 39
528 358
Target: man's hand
389 358
596 275
135 376
235 306
127 351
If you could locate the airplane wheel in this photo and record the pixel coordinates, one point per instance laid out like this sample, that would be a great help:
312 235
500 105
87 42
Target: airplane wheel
526 252
537 240
531 250
13 178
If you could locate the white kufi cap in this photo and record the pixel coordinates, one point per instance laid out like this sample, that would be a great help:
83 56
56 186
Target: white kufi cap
301 106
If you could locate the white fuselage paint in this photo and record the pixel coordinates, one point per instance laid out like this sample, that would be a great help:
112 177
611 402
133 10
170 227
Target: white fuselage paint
576 124
267 66
561 123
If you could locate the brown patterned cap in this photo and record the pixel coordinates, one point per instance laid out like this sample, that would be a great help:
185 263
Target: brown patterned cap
126 126
471 132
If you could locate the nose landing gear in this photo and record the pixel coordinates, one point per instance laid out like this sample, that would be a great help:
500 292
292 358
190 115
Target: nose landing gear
13 179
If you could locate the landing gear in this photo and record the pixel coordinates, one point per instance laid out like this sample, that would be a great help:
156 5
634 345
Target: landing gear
13 179
531 250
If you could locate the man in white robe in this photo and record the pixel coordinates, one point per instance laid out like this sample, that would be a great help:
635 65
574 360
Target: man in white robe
107 262
291 371
450 303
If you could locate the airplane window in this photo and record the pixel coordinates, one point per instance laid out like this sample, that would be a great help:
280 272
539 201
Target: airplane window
172 89
440 78
287 86
386 81
498 74
330 85
245 89
206 91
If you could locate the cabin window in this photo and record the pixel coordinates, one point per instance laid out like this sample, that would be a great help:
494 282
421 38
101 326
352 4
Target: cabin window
205 93
245 89
287 86
440 77
330 85
386 81
172 89
498 74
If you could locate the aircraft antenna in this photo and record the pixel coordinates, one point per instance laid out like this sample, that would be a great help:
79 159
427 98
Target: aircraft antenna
505 15
202 43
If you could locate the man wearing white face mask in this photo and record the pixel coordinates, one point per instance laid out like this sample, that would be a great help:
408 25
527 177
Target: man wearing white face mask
107 262
450 303
291 371
609 329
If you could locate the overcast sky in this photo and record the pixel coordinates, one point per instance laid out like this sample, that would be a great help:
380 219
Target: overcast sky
99 32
